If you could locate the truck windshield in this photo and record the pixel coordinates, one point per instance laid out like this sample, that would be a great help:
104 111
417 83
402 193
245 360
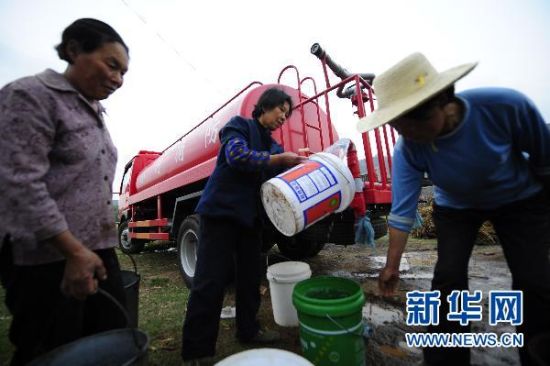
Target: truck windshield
126 176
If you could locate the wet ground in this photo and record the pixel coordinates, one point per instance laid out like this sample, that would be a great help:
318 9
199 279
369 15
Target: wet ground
386 316
487 271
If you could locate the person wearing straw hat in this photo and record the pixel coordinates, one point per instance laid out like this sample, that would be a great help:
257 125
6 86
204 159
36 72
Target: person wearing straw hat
487 152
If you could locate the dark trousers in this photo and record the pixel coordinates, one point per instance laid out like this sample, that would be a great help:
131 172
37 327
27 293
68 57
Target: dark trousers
44 318
6 262
225 248
523 229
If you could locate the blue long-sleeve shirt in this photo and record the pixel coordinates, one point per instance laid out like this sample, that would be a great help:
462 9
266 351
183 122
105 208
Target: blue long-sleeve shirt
491 159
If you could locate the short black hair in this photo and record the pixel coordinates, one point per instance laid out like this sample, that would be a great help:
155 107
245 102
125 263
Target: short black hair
271 98
89 34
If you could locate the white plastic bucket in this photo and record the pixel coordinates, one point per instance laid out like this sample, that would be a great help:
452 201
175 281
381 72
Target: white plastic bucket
307 193
282 279
264 357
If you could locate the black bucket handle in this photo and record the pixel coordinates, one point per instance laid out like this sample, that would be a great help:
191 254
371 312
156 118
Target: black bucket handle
124 312
133 262
116 303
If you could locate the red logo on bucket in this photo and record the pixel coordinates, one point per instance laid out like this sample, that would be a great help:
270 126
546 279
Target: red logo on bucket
294 174
320 209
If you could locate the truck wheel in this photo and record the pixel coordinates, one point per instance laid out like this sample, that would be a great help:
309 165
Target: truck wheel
380 227
342 231
298 247
127 244
188 245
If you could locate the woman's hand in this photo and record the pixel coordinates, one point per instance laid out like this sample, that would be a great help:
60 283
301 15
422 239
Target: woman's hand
82 270
287 159
83 267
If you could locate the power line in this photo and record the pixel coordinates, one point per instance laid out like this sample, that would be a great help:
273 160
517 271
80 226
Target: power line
170 46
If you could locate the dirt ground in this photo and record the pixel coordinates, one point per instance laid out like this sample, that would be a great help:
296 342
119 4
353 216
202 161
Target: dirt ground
163 300
488 271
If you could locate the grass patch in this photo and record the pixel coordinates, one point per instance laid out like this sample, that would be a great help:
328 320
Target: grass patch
162 302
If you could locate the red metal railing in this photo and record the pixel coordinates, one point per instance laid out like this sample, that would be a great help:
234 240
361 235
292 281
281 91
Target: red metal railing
363 93
318 110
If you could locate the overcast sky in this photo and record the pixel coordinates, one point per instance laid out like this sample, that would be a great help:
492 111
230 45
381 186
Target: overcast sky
188 57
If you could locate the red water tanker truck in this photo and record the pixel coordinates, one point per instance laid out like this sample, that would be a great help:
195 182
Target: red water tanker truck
159 190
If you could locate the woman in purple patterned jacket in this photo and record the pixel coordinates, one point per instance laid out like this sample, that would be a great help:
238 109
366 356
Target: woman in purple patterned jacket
57 164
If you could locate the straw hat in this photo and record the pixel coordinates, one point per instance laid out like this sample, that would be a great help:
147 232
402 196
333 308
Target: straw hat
406 85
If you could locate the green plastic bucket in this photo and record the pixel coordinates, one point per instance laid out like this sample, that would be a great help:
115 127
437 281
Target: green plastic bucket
331 320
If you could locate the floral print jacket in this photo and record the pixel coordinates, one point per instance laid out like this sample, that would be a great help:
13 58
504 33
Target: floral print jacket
57 164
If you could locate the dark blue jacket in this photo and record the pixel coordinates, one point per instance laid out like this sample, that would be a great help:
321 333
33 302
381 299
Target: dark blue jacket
234 193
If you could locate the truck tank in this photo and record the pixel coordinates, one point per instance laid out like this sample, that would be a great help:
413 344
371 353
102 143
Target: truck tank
193 156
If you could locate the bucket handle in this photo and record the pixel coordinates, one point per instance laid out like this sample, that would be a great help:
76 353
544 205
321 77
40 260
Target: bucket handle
116 303
133 262
279 255
124 312
366 333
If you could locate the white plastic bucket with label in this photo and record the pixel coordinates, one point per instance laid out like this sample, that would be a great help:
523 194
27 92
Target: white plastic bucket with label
307 193
282 279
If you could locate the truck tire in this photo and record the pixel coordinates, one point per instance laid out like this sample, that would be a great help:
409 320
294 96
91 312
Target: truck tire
299 247
342 231
188 245
380 227
126 244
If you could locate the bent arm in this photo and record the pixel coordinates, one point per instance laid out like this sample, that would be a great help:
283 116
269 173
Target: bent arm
397 244
82 268
240 156
406 188
389 275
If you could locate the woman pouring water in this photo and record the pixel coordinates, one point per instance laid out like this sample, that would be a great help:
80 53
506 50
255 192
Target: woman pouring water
231 225
57 165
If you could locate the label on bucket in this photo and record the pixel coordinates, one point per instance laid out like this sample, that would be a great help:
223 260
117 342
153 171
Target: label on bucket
308 181
321 208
